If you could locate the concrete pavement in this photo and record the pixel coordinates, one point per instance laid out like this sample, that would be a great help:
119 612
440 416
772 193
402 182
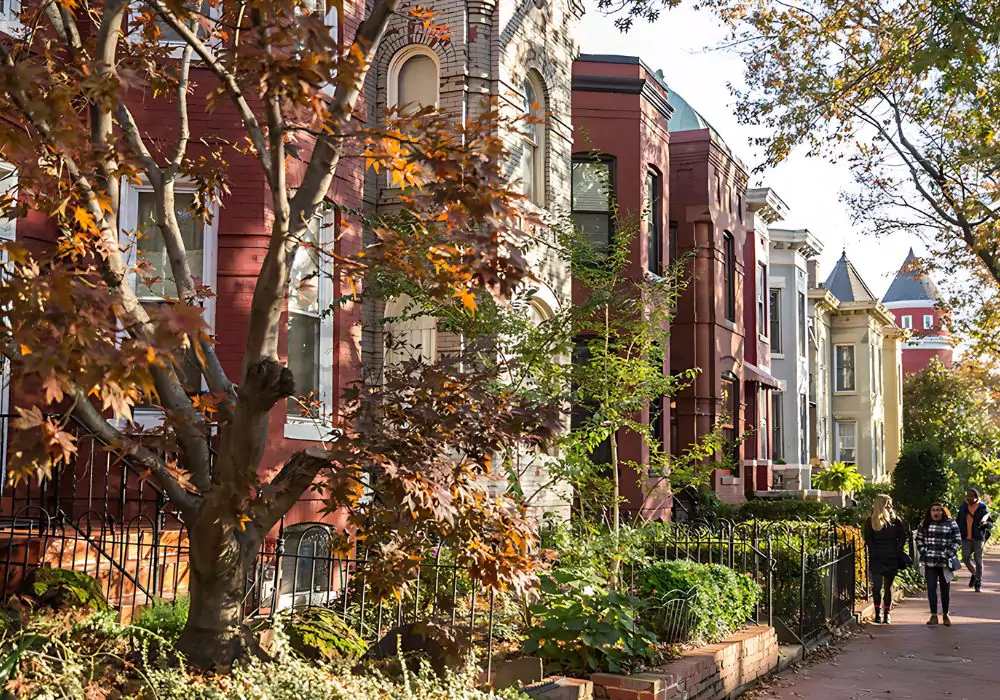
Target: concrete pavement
908 660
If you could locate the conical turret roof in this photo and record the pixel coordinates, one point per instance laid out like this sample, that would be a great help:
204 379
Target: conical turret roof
911 284
846 284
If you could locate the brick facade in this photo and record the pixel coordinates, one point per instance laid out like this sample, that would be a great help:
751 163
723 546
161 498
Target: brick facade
494 47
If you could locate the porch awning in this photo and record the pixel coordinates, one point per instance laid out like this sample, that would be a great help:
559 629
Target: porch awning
756 374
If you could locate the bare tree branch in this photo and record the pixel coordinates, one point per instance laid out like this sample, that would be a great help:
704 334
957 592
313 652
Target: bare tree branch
288 485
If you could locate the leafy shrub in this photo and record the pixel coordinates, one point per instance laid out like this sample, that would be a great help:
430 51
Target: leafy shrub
921 477
320 634
721 600
64 588
163 618
783 509
581 626
910 580
838 476
63 656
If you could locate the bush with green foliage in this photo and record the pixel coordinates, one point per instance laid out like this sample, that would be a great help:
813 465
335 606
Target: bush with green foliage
783 509
921 477
581 626
163 618
838 476
720 600
65 588
64 656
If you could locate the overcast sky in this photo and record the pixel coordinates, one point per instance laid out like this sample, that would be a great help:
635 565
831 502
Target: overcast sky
681 44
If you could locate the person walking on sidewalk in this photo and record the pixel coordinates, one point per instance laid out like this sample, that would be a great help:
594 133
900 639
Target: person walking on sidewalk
938 542
885 540
974 524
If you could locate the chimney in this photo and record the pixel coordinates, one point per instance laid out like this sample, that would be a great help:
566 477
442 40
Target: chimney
812 267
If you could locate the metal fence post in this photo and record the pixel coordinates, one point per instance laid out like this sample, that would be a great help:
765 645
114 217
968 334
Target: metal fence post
279 550
802 590
770 584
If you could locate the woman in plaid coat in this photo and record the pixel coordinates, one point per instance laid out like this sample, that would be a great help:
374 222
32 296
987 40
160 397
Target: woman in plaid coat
938 541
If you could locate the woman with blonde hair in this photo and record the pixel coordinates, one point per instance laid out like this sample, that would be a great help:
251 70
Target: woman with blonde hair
885 540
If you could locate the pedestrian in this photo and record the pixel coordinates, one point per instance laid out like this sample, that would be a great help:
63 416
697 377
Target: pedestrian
938 542
975 526
885 539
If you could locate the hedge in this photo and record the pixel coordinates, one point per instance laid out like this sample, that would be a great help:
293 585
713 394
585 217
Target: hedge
721 600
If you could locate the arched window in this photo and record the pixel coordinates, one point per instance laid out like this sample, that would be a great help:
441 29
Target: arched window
306 565
533 140
414 82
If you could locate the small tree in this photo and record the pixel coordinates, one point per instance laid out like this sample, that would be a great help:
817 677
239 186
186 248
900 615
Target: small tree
921 477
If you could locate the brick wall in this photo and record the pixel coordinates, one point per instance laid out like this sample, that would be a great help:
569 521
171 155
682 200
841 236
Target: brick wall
708 673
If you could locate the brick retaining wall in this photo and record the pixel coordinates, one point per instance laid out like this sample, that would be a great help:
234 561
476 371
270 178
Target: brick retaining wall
708 673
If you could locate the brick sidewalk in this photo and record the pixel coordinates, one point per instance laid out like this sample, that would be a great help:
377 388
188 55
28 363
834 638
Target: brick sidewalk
908 660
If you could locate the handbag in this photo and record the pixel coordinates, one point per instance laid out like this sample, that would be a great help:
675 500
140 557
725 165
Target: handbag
954 564
905 560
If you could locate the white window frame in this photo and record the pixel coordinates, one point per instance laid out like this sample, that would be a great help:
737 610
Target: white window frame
535 137
303 427
928 322
763 406
774 334
763 299
10 22
128 223
177 46
836 369
837 435
8 232
906 322
397 61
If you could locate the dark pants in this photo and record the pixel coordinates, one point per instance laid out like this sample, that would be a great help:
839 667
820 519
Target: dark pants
882 588
935 576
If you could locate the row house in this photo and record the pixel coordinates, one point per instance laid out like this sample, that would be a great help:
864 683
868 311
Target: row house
516 55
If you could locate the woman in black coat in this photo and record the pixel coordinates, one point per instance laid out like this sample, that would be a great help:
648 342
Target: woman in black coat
885 539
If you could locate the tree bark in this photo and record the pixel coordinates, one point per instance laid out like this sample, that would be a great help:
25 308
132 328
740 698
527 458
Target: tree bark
220 561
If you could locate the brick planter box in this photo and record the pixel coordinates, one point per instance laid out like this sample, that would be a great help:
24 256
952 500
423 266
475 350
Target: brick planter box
708 673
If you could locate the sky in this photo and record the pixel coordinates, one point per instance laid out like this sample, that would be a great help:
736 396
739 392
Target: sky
682 43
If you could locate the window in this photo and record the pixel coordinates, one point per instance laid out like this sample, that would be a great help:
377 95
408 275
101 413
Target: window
907 321
731 404
775 317
413 79
656 423
592 211
533 141
729 273
803 429
803 325
153 280
9 11
777 423
675 251
846 441
762 299
8 199
581 411
310 332
928 322
654 217
198 9
844 358
765 447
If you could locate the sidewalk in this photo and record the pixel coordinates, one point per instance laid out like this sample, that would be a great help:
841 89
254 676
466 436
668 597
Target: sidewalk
908 660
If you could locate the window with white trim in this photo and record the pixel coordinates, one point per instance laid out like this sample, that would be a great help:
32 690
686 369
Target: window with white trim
774 308
151 276
8 200
10 21
762 319
928 322
907 322
414 78
845 368
310 332
592 196
532 170
846 441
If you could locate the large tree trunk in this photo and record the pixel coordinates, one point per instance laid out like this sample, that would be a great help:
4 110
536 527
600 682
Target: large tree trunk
219 561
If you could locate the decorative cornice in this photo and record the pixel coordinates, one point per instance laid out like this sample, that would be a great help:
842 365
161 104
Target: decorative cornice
624 86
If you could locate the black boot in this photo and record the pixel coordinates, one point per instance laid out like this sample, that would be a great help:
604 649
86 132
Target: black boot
878 615
885 618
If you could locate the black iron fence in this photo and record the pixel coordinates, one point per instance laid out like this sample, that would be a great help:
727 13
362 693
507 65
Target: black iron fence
811 574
